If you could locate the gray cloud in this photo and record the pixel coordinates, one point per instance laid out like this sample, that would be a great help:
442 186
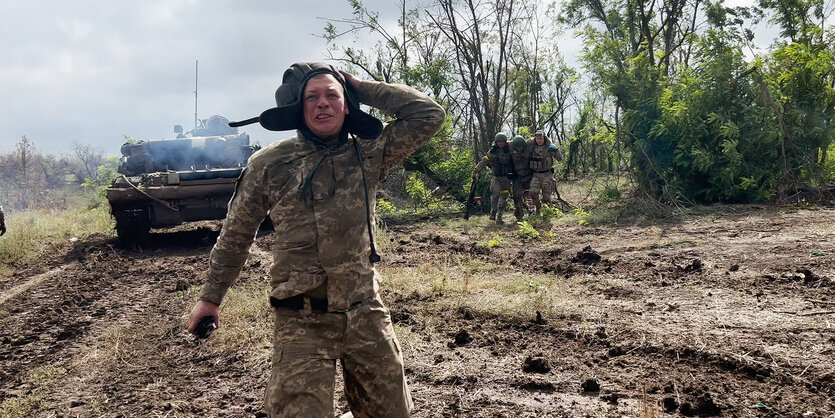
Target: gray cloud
93 70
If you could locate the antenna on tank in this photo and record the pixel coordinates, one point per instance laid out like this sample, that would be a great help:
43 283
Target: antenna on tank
195 94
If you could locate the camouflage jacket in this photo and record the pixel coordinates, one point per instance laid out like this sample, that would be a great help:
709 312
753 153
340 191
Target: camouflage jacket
499 160
521 161
321 233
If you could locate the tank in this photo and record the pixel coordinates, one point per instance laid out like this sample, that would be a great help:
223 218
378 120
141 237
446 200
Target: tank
167 182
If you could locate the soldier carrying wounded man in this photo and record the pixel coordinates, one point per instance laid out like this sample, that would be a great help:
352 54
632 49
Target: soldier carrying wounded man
541 156
500 161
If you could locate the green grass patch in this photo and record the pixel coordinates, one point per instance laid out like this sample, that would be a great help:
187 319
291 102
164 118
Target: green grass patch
478 286
46 374
246 319
30 233
19 407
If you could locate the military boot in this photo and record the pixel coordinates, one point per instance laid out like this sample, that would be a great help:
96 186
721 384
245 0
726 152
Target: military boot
499 219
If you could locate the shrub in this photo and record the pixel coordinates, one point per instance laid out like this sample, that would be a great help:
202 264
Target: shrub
385 208
495 241
609 194
527 231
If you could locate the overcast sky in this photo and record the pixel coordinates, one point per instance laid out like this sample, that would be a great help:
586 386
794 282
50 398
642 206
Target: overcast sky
95 70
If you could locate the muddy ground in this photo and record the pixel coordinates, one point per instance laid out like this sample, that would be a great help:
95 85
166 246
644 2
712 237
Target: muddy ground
727 314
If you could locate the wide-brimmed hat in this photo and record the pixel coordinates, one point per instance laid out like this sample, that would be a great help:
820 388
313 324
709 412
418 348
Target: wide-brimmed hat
288 113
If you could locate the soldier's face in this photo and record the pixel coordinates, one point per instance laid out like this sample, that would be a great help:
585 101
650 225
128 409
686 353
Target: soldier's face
324 106
500 144
540 139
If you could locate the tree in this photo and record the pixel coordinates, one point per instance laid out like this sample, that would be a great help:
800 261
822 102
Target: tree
90 158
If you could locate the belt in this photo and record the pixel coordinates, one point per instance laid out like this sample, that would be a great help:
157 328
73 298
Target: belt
296 303
550 170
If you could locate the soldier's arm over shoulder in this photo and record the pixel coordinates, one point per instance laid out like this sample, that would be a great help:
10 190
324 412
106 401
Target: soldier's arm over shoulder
417 118
247 209
480 166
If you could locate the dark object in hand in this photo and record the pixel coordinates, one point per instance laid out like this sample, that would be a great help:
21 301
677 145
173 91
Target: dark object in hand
205 327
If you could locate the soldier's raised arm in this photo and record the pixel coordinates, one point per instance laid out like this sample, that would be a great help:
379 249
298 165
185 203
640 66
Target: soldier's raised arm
417 117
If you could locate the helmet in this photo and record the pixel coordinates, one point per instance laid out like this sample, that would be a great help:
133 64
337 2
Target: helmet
518 141
500 137
552 147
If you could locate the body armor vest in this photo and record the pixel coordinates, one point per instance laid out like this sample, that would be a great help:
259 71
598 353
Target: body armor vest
541 159
500 161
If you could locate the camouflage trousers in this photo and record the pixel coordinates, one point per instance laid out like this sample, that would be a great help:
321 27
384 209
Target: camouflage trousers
542 189
500 190
521 185
308 343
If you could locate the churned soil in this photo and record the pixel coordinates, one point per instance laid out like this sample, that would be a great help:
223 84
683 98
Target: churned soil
729 314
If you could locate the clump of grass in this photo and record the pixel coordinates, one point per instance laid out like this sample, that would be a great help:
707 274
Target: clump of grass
30 233
246 317
47 373
478 286
19 407
495 241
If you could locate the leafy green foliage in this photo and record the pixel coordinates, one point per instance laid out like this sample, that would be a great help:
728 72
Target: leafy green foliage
417 191
106 173
385 208
527 231
609 194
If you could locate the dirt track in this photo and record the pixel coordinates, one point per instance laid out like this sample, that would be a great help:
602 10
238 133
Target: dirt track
731 316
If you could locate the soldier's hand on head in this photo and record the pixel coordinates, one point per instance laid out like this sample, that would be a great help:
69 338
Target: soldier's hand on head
201 309
350 79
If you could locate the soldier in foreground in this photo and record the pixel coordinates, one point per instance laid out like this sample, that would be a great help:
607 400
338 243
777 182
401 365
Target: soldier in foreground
500 162
319 188
521 176
542 156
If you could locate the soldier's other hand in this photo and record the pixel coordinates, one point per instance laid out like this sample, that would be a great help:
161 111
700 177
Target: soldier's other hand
350 79
201 309
473 176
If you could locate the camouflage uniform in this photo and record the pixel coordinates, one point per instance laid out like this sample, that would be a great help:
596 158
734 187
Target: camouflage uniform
543 184
315 197
500 162
521 179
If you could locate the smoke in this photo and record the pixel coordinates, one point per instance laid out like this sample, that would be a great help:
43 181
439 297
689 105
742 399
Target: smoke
212 145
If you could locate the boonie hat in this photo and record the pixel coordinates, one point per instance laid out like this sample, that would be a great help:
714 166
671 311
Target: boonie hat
288 113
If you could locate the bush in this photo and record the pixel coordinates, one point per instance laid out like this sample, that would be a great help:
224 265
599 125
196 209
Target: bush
609 194
385 208
417 191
